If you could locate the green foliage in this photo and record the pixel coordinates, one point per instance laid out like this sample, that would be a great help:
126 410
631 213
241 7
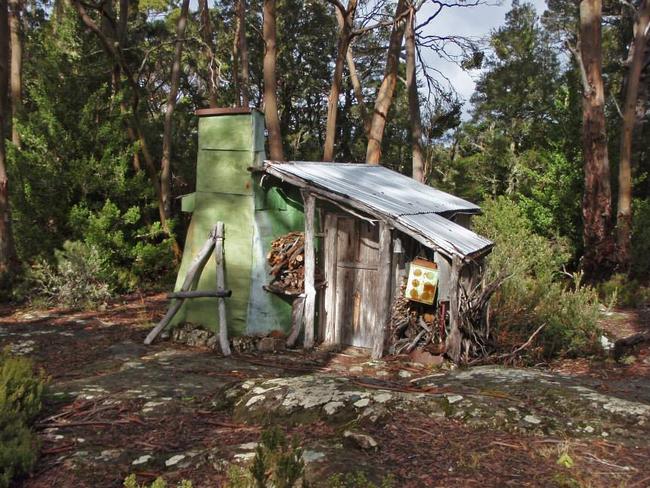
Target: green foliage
624 291
277 463
132 482
77 280
131 254
358 479
20 401
535 293
641 239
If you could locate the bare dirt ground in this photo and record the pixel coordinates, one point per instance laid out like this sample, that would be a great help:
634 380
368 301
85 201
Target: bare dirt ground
115 407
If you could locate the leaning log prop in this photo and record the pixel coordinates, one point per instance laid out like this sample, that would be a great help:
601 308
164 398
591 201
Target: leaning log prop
213 243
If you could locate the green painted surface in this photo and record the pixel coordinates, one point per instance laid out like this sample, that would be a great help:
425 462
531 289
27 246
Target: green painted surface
252 216
232 132
187 203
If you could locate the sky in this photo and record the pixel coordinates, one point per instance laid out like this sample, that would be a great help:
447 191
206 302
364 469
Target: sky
475 22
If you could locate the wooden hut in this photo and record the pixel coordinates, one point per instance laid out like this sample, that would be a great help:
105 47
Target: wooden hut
365 228
371 224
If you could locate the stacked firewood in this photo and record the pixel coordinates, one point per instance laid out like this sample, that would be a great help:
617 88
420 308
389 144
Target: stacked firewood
415 326
286 260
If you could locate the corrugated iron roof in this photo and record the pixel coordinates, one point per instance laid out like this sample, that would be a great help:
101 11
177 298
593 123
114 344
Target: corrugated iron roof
412 207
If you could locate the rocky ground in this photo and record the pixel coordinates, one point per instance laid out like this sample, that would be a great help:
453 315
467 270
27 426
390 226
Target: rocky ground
116 407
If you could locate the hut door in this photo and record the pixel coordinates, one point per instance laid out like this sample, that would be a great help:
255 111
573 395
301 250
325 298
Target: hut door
357 258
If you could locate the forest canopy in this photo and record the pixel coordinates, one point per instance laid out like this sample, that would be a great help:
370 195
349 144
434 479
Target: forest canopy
99 131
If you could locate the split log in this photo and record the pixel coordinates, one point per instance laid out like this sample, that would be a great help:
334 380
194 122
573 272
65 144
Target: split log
297 318
621 346
200 294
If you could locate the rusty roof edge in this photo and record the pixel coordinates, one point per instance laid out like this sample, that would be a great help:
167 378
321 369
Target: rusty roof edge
269 167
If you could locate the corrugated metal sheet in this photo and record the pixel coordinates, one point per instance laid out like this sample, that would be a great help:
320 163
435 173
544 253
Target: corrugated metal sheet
414 208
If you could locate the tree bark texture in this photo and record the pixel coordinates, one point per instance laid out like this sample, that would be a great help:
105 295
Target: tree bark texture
235 60
165 166
7 252
16 72
387 88
271 115
244 83
414 102
624 215
599 253
346 24
206 36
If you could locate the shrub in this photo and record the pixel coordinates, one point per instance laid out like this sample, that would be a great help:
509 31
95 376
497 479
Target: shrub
77 279
132 482
641 239
535 293
20 401
277 463
132 254
624 291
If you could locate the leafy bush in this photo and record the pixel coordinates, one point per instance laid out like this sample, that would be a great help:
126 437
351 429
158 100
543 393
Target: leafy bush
641 239
20 401
132 482
77 280
624 291
277 463
132 254
535 294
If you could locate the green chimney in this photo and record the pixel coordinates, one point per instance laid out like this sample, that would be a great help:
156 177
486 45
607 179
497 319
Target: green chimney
230 142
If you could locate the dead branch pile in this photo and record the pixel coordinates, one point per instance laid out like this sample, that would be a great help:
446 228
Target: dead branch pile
414 326
286 259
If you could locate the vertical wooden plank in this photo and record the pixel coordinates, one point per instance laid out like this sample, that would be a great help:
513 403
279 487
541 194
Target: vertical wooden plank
384 284
346 241
330 253
452 344
310 269
221 285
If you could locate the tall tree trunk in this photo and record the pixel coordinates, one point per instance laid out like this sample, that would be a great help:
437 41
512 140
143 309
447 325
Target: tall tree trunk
270 82
235 60
414 102
7 252
599 253
358 91
244 82
637 57
16 76
206 36
166 163
387 88
346 24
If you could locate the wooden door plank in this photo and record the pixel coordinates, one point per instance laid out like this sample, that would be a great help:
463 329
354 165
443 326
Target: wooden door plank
383 287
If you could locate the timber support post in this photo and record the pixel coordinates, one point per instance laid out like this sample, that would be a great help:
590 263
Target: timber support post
453 342
384 284
218 258
310 269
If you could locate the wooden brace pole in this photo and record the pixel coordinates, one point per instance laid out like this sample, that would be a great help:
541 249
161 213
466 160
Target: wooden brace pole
310 269
218 258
